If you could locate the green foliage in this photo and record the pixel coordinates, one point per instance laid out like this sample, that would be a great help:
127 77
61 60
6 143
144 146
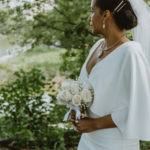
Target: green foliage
145 145
71 139
21 121
69 28
24 119
46 59
58 112
66 29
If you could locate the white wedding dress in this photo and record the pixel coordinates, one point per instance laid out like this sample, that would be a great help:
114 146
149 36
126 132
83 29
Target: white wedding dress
121 83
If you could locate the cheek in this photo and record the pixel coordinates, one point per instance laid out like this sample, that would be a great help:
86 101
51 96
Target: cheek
96 21
97 24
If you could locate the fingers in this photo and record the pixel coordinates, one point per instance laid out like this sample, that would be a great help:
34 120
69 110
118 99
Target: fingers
73 121
76 125
78 130
73 114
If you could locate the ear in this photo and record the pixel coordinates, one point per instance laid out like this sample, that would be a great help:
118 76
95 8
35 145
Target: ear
106 15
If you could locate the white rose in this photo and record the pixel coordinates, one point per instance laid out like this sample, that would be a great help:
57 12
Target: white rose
76 100
64 97
58 97
85 85
75 88
66 84
86 96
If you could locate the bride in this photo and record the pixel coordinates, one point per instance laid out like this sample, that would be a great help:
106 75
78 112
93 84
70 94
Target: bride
118 69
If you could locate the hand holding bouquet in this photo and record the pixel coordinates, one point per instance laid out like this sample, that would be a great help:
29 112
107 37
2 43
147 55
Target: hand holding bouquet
76 95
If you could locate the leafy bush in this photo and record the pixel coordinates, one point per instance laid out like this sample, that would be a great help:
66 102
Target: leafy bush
30 121
145 145
20 106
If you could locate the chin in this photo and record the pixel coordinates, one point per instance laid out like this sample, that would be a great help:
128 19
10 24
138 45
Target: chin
95 32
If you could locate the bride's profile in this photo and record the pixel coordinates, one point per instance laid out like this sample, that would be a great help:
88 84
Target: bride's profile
119 71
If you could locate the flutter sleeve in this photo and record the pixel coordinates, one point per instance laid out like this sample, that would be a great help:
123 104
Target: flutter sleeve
134 120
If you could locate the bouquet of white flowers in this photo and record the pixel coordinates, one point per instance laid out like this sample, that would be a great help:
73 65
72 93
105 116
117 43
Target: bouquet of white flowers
76 95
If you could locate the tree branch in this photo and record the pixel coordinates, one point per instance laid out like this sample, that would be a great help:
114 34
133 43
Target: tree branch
54 28
62 13
59 21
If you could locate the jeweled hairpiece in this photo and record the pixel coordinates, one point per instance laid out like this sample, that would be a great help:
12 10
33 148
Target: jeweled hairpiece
119 7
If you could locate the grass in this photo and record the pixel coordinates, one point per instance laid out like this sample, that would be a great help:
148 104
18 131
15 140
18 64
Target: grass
46 59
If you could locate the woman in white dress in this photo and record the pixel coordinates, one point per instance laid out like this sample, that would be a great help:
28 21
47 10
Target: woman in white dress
119 72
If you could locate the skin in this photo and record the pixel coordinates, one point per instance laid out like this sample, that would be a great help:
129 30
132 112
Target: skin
111 33
86 125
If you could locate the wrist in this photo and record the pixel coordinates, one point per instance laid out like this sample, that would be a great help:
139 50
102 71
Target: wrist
97 123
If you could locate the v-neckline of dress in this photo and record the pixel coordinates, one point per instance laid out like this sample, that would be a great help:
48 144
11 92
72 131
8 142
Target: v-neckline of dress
88 75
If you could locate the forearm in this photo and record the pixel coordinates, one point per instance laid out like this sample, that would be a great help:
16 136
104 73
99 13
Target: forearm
104 122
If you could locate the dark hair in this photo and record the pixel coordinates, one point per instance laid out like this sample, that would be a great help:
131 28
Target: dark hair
125 18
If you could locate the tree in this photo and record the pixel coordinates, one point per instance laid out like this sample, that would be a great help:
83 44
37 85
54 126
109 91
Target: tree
68 25
65 26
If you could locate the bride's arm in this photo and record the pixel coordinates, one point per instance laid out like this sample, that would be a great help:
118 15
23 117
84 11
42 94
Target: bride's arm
92 124
105 122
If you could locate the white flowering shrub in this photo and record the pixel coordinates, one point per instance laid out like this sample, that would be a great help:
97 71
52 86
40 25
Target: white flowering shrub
25 110
30 116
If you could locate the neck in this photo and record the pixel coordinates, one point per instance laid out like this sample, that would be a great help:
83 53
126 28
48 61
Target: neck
115 36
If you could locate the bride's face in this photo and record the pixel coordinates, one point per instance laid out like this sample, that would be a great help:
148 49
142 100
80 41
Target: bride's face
96 19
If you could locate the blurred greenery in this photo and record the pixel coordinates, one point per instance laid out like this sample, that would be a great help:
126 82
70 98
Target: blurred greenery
44 58
55 27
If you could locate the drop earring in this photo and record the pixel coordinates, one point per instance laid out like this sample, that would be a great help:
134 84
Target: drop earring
104 26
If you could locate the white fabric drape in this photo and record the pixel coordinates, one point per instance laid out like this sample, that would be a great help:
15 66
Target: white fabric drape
134 119
121 83
141 33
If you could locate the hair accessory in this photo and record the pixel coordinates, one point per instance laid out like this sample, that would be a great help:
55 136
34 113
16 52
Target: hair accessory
119 7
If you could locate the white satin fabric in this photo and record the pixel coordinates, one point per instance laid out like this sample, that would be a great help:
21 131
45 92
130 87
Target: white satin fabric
121 83
106 139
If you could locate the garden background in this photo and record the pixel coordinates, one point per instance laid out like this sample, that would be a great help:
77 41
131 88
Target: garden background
42 42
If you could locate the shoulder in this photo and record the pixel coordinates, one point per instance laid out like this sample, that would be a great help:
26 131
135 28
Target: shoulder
133 48
134 53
